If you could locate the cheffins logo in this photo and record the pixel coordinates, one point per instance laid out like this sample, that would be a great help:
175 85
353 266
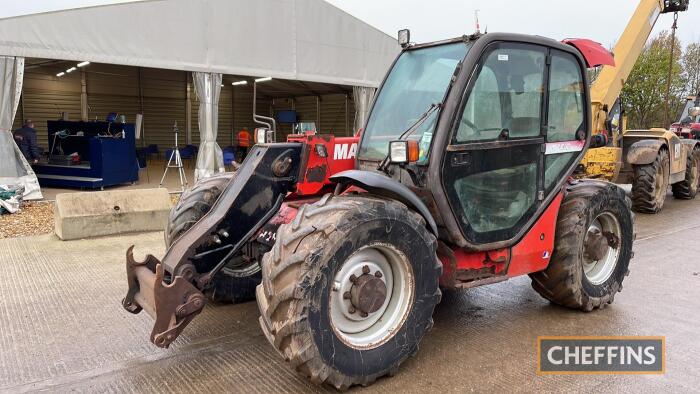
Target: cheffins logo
601 355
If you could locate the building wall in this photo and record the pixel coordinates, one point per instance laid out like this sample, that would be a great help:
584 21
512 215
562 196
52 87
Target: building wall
44 97
160 95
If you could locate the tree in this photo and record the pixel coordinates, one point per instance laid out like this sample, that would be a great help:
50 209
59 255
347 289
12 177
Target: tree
645 89
691 68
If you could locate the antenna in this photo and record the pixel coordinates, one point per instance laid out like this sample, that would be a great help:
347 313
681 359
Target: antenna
476 21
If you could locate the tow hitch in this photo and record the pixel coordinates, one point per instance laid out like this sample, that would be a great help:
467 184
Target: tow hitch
172 306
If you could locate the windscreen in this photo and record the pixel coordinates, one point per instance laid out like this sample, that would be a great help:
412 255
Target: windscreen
419 78
685 113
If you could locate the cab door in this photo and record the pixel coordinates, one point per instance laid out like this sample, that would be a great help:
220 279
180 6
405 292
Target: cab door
504 157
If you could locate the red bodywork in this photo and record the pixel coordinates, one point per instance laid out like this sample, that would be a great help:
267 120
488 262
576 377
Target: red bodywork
594 53
689 131
340 155
461 268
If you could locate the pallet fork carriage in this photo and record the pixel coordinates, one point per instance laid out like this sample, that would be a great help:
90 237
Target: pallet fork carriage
462 177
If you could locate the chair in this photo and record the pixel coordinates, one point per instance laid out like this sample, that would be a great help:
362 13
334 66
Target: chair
229 157
142 159
189 152
152 150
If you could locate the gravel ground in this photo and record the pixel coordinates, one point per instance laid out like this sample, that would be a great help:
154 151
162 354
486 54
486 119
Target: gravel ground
33 219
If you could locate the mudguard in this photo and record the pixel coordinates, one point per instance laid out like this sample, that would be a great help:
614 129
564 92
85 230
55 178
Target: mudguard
644 152
382 185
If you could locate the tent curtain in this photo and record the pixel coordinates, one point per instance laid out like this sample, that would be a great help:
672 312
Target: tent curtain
14 169
210 159
363 100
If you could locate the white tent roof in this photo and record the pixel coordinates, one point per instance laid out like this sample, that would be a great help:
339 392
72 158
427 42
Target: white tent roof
308 40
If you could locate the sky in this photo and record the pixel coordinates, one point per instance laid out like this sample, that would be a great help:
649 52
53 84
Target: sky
600 20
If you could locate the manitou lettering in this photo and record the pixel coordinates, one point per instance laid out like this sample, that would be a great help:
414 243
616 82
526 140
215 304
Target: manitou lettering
344 151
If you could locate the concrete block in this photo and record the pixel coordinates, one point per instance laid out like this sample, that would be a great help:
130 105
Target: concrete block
95 214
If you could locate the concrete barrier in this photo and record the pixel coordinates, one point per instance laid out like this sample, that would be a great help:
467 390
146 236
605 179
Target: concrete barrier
94 214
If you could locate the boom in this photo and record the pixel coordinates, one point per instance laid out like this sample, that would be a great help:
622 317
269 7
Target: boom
607 87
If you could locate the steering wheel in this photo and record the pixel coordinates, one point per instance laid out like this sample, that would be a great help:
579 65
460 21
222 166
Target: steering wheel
471 125
478 132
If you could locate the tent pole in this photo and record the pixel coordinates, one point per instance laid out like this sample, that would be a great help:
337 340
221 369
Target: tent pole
143 123
84 110
233 113
188 110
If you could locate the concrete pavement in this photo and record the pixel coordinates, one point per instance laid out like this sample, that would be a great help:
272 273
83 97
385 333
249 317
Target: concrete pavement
62 327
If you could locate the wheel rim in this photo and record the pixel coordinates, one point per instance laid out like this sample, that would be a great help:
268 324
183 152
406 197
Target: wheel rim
371 296
661 183
694 178
240 268
602 248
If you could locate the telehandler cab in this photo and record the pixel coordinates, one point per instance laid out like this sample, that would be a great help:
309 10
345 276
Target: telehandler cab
462 178
688 124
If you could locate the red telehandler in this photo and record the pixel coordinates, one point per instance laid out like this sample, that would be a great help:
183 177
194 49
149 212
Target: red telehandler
688 125
461 178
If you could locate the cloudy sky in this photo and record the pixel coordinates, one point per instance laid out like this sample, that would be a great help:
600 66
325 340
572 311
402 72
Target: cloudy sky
601 20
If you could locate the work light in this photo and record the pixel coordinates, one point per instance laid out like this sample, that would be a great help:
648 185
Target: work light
403 151
260 135
404 38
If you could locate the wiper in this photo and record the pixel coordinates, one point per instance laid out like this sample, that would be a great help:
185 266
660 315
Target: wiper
411 129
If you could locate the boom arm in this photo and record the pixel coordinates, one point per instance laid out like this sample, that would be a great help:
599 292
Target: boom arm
607 87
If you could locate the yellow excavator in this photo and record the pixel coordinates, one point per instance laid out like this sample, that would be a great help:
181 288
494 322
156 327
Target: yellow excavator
650 160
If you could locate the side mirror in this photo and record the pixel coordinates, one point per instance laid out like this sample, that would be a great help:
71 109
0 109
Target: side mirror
694 111
402 152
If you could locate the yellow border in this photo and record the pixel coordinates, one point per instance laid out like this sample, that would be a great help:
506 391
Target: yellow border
641 337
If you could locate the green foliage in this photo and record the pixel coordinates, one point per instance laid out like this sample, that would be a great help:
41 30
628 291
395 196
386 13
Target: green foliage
691 68
645 89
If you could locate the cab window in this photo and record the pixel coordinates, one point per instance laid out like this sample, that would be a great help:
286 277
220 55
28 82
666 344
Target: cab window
566 115
506 97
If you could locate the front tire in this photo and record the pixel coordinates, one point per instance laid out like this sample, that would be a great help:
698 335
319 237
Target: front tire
592 247
687 189
650 184
343 333
235 282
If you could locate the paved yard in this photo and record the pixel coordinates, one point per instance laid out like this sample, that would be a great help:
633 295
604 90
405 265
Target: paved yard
62 327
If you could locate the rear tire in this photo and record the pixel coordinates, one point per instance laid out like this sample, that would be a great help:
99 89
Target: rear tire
688 188
305 313
573 278
232 283
650 184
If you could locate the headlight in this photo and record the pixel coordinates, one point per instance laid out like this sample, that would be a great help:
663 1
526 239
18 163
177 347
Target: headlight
403 151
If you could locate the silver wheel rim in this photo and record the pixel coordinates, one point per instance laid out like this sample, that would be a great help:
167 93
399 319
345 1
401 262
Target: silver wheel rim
239 268
376 327
598 271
